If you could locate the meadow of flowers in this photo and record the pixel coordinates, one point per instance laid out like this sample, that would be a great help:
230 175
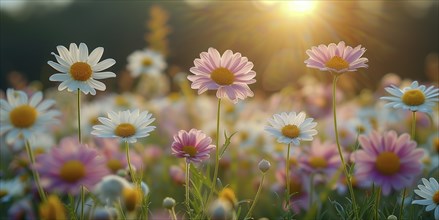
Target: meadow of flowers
214 149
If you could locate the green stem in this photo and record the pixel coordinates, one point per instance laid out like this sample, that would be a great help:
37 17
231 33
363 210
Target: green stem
311 187
377 202
348 177
413 125
122 213
82 202
35 172
132 172
413 133
187 202
172 214
79 116
249 214
287 178
217 152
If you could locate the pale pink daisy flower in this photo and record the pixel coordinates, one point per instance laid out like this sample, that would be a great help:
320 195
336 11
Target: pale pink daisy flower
389 161
68 167
229 74
321 157
194 145
336 58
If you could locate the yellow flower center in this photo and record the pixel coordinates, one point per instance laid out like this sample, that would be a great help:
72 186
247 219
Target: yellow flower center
191 150
436 197
222 76
318 162
23 116
125 130
114 165
228 195
53 208
436 144
121 101
343 133
337 63
291 131
244 135
39 150
146 62
413 97
361 129
387 163
81 71
132 198
72 171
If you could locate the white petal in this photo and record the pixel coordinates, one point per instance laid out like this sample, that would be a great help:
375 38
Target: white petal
95 56
74 53
103 65
65 54
36 98
103 75
59 77
83 52
97 85
58 67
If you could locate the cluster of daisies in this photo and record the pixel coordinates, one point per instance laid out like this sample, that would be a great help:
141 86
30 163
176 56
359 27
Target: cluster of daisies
385 159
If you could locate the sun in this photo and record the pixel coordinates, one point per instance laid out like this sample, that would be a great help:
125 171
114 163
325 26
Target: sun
299 7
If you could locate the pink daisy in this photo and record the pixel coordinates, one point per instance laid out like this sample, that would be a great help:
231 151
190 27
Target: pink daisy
336 58
320 158
193 145
229 74
68 167
387 160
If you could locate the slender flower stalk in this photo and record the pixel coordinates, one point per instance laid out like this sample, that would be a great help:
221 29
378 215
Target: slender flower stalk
287 177
215 173
35 173
82 202
311 188
188 181
172 214
347 174
250 211
132 172
413 125
377 202
413 133
80 141
79 116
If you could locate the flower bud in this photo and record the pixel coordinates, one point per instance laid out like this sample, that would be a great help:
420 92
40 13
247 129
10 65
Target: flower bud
392 217
264 165
168 203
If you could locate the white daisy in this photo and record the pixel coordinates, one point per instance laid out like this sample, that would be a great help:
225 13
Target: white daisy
291 128
146 61
11 188
79 70
413 98
430 192
23 116
126 125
